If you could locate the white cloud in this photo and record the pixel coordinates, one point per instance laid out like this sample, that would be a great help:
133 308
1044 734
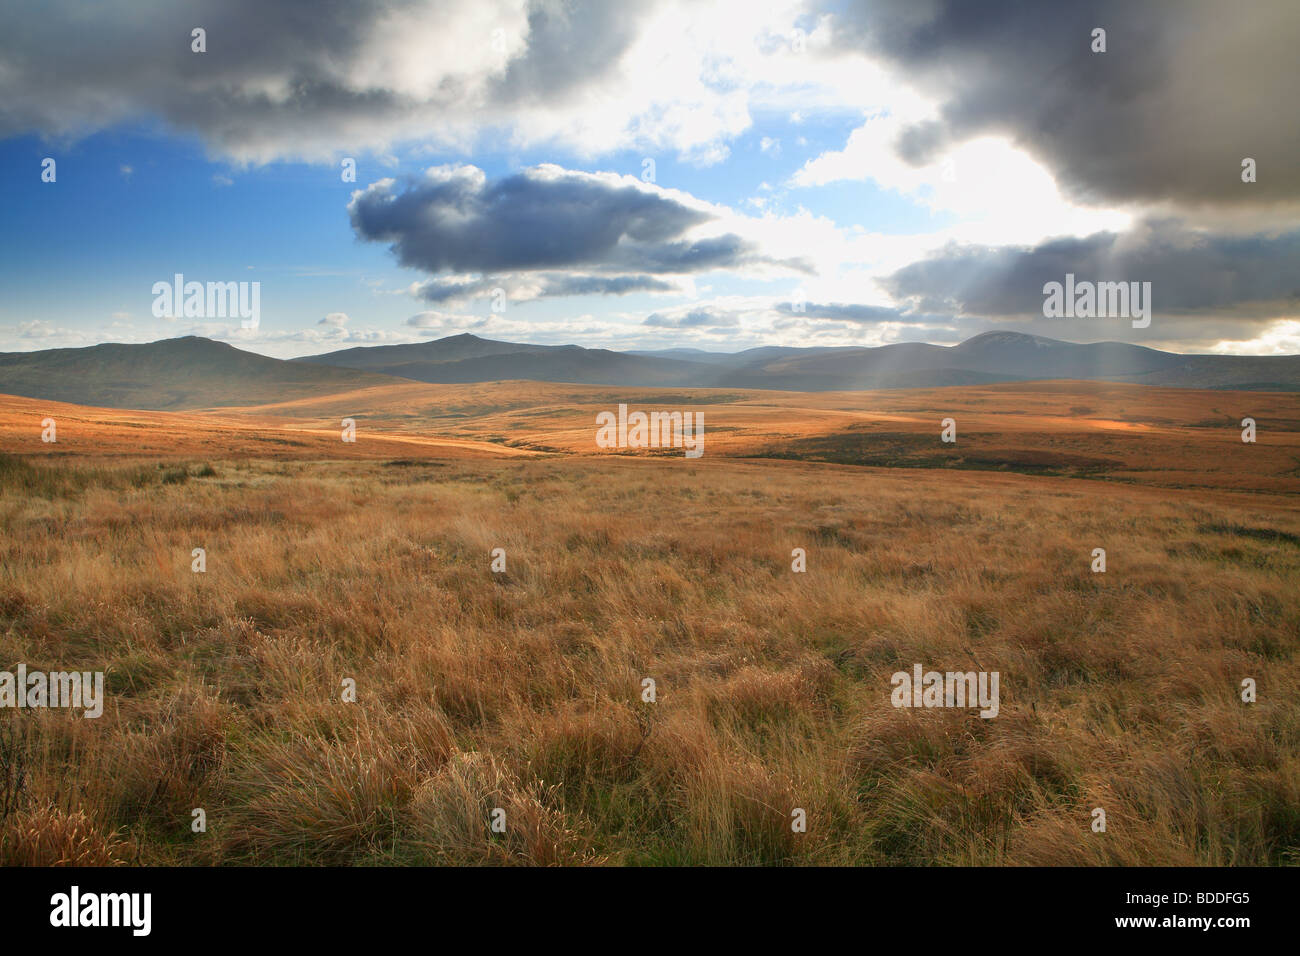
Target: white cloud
592 77
1282 338
998 192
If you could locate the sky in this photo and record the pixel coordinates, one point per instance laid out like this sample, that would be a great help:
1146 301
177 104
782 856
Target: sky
650 175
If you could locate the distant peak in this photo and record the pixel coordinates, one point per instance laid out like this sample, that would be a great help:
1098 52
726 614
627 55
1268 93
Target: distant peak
1001 334
192 342
1001 337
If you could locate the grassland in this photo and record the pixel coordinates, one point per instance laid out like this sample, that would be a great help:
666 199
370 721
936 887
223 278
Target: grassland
522 690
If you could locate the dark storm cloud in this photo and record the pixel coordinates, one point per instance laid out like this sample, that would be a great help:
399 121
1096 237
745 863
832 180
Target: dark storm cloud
1184 92
301 77
455 221
569 45
1190 272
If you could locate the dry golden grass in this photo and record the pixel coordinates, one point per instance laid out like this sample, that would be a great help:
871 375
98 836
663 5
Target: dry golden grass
83 432
1178 438
521 690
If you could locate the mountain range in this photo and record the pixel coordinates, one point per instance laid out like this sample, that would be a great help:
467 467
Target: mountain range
194 372
990 357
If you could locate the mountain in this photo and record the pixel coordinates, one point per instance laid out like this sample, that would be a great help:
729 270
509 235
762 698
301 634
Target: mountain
459 359
1015 356
189 372
987 358
195 372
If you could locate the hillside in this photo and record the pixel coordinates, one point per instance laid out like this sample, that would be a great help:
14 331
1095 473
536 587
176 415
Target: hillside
182 373
461 359
192 372
984 359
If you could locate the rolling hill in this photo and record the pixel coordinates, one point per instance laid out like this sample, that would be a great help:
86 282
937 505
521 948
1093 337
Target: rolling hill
193 372
984 359
462 359
183 373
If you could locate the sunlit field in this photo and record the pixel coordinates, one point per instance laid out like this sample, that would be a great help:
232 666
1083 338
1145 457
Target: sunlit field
522 691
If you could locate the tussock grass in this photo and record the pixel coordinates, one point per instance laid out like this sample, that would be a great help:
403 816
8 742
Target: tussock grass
522 691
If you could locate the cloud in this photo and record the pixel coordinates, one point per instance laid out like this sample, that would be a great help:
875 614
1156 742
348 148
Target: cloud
1165 116
454 220
547 232
730 323
335 319
445 323
282 79
526 288
847 312
38 329
605 285
705 318
1190 272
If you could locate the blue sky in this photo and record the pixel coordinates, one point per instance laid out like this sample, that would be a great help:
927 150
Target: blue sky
134 205
786 171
